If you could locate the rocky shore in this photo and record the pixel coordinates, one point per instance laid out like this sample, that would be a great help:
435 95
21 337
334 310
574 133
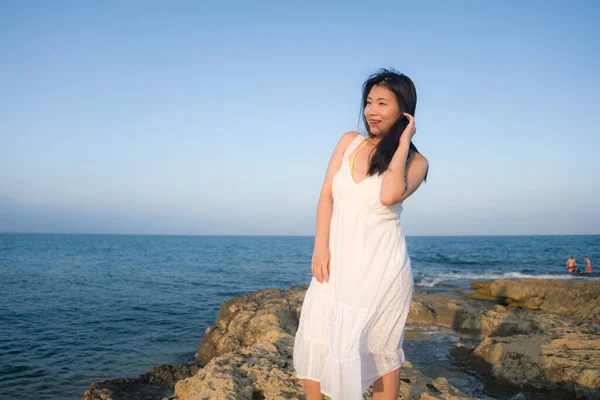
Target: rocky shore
516 335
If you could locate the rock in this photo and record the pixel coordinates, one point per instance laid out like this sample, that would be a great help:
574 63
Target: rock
539 353
155 384
537 364
259 372
468 317
450 312
552 352
248 355
244 319
580 299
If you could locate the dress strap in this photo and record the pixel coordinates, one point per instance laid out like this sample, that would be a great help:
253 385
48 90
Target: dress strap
357 151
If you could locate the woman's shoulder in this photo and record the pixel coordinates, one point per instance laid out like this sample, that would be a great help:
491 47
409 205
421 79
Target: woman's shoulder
345 141
349 137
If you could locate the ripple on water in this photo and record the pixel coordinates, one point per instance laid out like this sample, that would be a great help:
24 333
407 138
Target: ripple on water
428 348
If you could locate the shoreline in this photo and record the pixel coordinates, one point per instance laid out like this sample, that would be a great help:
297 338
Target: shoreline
247 353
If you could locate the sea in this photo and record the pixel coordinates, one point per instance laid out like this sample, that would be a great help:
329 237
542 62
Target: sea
79 308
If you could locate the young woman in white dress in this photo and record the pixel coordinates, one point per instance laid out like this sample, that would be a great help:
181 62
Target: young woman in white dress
351 326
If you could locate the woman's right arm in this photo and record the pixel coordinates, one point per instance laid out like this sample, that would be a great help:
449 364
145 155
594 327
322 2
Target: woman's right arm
321 254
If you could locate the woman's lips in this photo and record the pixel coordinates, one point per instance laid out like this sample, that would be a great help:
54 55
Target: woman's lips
373 123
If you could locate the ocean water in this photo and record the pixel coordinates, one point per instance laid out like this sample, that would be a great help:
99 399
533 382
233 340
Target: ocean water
81 308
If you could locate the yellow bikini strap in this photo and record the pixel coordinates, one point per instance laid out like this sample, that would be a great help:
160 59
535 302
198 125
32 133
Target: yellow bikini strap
359 149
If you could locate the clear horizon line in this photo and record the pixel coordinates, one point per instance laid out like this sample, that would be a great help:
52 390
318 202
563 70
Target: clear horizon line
236 235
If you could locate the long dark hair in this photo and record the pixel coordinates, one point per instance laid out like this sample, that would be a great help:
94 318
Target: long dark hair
406 96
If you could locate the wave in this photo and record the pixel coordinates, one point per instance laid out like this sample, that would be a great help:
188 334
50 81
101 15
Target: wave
444 259
434 280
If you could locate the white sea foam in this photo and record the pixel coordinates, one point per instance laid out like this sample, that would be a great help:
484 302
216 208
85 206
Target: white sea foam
434 280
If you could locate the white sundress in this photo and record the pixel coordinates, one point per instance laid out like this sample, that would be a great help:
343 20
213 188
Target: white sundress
351 328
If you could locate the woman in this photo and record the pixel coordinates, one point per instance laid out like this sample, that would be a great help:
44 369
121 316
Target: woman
351 327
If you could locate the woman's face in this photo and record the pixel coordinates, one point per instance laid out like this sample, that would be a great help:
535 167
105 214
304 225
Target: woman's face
382 110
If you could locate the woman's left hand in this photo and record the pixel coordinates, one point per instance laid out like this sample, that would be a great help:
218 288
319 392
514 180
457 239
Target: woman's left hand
410 129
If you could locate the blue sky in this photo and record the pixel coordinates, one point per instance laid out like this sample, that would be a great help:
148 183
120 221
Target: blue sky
189 118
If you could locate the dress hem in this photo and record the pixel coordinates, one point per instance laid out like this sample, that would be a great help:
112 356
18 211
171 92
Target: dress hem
399 366
382 374
308 377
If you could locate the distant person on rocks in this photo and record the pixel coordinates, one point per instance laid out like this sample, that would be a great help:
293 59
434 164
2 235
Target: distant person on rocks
588 266
571 265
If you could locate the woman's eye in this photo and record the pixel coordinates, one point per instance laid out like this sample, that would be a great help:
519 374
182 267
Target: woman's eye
382 104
